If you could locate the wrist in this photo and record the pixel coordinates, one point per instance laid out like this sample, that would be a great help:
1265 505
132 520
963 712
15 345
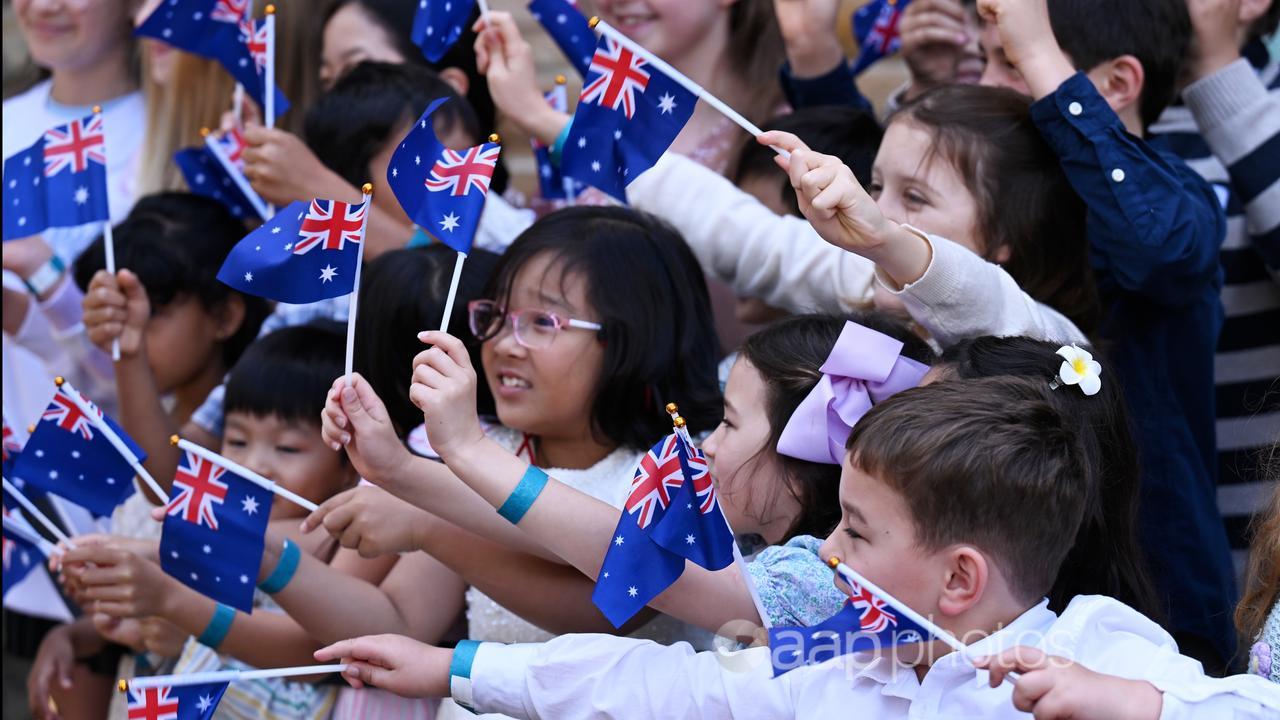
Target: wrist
1211 62
1045 70
545 124
45 277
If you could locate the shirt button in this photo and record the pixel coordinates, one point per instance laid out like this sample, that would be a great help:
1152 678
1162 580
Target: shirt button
1117 175
1075 108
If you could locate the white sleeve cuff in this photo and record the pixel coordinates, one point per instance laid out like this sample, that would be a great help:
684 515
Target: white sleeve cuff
497 679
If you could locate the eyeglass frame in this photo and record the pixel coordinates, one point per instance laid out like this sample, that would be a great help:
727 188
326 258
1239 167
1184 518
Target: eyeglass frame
510 317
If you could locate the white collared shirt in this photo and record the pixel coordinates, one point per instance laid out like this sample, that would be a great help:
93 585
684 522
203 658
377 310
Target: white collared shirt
602 676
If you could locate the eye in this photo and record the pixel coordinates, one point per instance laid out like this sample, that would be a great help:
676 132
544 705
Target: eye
874 188
914 199
288 449
236 443
849 531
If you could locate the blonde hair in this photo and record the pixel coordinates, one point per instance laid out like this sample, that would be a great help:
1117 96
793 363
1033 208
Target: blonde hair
194 97
299 34
1262 589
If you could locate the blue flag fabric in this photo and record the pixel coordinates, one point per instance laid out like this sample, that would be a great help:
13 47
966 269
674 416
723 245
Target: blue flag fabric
866 622
178 702
307 252
59 181
69 456
442 190
20 555
219 30
208 177
213 531
12 450
628 114
875 25
671 515
438 24
568 27
552 183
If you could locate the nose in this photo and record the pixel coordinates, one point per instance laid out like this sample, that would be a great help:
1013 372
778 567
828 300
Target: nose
505 341
711 443
258 459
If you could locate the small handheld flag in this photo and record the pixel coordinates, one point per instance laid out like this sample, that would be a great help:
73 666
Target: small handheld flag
875 26
58 181
23 549
552 183
12 448
14 498
175 702
568 27
309 251
438 24
215 171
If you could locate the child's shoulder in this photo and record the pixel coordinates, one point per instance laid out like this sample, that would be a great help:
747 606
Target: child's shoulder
1107 636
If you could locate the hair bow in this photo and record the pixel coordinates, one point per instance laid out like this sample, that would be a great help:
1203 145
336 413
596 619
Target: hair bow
864 368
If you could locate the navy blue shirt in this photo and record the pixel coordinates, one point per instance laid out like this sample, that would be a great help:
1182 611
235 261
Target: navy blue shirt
835 87
1154 229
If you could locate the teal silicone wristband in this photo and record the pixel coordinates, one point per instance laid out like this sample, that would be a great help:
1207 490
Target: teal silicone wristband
521 499
464 656
288 565
557 147
219 625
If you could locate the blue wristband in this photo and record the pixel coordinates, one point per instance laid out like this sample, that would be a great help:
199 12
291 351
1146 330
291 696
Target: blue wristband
521 499
464 656
557 147
219 625
288 565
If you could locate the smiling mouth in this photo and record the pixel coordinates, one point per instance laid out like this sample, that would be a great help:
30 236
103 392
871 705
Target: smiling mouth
513 382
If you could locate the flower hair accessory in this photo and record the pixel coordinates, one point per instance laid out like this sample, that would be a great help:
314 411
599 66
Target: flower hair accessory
1078 368
864 368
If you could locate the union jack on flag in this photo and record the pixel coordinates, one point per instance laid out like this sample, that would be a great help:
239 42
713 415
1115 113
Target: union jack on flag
230 11
232 144
330 225
255 35
60 180
458 173
67 415
622 74
875 25
74 146
198 489
659 475
181 702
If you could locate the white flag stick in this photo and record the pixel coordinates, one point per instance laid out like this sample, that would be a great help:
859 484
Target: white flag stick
236 176
367 189
112 438
19 526
200 678
269 82
34 511
484 8
852 576
108 240
243 472
453 291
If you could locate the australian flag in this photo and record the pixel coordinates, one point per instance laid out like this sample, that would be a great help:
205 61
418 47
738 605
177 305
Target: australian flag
867 622
12 449
438 24
60 181
213 528
442 190
179 702
875 25
553 184
69 456
628 114
307 252
215 170
222 31
671 515
21 555
568 27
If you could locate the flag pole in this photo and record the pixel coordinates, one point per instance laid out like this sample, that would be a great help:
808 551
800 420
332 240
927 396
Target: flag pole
19 527
112 438
484 9
35 512
236 176
683 432
562 98
269 84
852 575
201 678
108 240
243 472
367 189
457 270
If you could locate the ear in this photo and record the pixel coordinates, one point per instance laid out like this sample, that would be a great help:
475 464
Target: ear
966 581
229 317
1120 81
457 79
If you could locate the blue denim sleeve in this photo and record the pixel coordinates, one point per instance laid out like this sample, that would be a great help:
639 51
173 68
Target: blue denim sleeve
833 88
1154 225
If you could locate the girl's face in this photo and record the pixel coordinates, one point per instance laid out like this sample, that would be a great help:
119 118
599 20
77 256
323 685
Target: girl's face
350 37
289 453
546 392
183 338
746 472
912 185
73 34
667 28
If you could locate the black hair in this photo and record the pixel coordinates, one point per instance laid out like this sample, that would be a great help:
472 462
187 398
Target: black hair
355 120
1156 32
288 373
851 134
395 17
403 293
1105 558
175 243
649 293
788 355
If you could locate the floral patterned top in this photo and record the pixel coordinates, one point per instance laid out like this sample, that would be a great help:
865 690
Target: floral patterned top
794 585
1264 656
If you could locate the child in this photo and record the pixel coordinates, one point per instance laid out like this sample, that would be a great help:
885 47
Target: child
1102 71
1258 614
954 497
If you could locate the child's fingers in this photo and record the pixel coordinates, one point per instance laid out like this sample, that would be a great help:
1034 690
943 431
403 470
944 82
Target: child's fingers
1019 659
1031 689
365 673
781 139
451 345
429 377
317 516
352 650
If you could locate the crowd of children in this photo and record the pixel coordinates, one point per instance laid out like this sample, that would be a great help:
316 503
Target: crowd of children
1009 350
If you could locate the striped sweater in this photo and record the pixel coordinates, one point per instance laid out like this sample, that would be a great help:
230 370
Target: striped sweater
1227 128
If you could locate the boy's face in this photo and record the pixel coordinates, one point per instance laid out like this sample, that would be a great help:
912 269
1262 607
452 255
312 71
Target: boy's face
999 72
291 454
876 537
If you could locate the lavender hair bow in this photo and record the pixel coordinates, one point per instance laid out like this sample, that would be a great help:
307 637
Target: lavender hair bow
864 368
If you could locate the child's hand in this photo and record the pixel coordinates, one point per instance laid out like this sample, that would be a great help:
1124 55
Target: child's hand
281 168
53 664
506 60
1054 688
1216 24
116 308
162 637
392 662
933 36
808 30
115 581
355 418
444 388
371 520
1029 42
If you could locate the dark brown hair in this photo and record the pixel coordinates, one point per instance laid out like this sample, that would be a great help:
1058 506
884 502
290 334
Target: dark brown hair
1025 202
755 48
990 463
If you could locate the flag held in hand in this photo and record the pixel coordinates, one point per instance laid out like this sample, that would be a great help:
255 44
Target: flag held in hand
59 181
176 702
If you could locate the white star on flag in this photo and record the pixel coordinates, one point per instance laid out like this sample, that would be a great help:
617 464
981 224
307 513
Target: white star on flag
617 134
582 142
207 550
666 103
631 591
595 166
395 172
618 540
248 277
288 246
417 159
82 195
244 579
449 222
204 702
327 273
275 230
199 178
690 539
249 505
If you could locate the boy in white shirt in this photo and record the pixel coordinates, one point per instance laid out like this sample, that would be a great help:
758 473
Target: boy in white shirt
959 498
